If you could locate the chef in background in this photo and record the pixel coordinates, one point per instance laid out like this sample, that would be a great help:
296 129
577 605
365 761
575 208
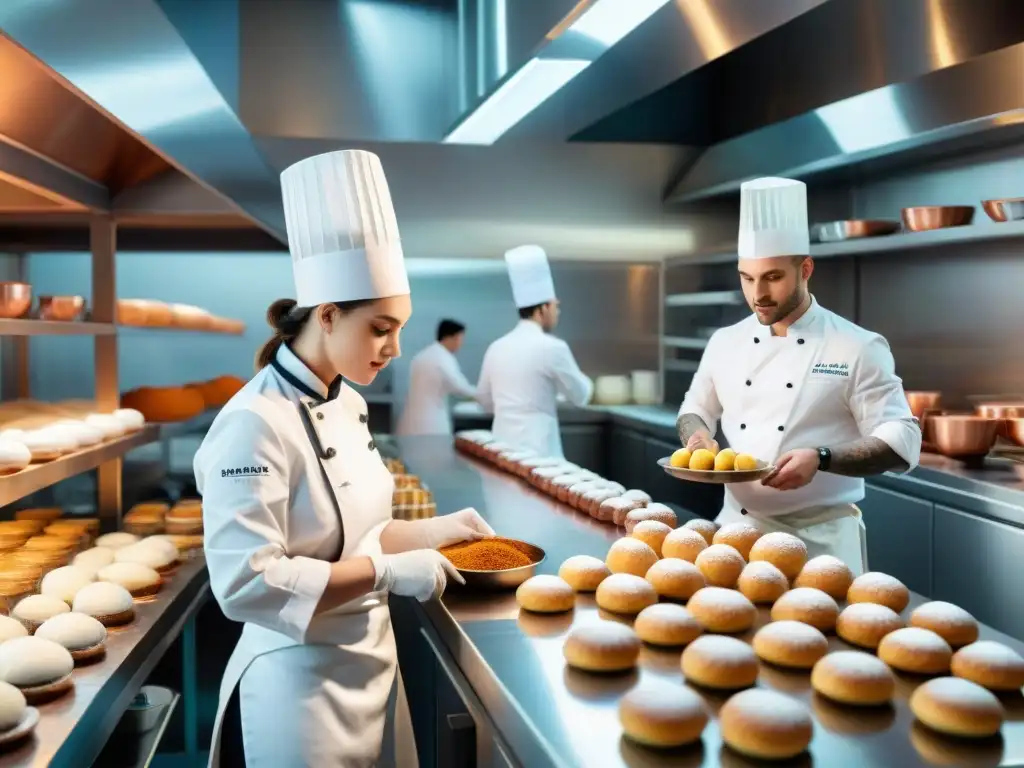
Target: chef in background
526 371
434 375
798 386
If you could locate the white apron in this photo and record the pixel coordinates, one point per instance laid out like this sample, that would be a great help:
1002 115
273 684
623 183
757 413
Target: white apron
323 702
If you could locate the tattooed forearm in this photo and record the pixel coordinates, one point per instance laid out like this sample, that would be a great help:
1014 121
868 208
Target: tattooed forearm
689 424
865 457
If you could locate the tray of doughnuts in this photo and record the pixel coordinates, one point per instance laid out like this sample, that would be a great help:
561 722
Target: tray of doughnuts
706 466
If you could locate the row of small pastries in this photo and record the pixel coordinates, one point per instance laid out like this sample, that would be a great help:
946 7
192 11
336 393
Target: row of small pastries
21 447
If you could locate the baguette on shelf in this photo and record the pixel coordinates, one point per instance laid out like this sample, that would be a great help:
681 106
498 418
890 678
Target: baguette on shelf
148 313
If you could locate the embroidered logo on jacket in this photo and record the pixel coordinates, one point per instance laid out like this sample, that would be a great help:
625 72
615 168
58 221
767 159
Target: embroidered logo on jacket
831 369
257 471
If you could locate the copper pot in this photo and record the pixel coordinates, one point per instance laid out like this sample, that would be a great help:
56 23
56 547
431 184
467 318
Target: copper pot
1015 430
15 299
64 308
927 217
1001 411
963 435
923 401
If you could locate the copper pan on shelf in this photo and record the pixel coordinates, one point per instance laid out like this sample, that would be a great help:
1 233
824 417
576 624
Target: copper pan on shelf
925 217
963 435
61 308
15 299
1006 209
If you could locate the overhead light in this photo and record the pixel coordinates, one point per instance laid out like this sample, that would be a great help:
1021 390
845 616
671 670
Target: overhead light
519 95
608 21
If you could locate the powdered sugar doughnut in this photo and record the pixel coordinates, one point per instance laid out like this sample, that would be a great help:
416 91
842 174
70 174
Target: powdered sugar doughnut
85 434
603 646
629 555
684 544
762 583
545 594
881 588
853 677
916 650
615 509
739 536
765 725
720 564
634 494
790 644
675 579
14 457
583 573
560 484
719 661
590 502
950 622
706 528
865 624
722 610
110 425
49 444
827 573
625 593
131 419
666 624
783 550
661 715
652 533
653 511
957 707
811 606
990 664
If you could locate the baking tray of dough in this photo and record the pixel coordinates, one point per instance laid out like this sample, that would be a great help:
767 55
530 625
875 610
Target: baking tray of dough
715 476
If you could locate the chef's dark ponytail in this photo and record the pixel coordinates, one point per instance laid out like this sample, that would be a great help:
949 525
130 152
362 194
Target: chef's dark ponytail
288 319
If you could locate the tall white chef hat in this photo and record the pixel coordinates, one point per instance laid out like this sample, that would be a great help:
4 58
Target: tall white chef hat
773 219
530 275
342 230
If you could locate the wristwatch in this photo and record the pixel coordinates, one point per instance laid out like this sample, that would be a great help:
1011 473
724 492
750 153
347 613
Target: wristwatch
824 459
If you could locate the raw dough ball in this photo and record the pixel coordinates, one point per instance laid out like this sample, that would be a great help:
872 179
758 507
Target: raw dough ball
783 550
625 593
666 624
545 594
721 565
31 662
93 559
675 579
82 635
827 573
631 555
853 677
957 707
765 725
110 603
684 544
140 580
35 609
706 528
990 664
64 582
661 715
950 622
719 661
865 624
116 540
652 533
811 606
881 588
739 536
14 456
11 628
655 511
604 646
762 582
12 706
722 610
790 644
917 650
583 573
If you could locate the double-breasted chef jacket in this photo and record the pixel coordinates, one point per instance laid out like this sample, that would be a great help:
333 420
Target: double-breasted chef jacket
434 375
521 377
827 382
291 481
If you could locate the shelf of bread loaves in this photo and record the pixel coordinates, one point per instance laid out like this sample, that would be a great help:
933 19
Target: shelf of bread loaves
44 443
63 587
148 313
705 590
176 405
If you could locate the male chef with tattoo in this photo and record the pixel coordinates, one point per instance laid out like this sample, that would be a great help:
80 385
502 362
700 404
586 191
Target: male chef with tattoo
798 386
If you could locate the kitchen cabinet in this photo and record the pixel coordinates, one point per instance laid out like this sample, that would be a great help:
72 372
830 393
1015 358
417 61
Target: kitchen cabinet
625 457
899 533
977 566
583 444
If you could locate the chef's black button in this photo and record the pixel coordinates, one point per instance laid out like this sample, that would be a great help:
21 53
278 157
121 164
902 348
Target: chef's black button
757 340
781 428
743 426
789 385
743 512
319 416
748 382
372 445
363 418
330 453
799 341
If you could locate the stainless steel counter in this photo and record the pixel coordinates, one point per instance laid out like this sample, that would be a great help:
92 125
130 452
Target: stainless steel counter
73 730
552 716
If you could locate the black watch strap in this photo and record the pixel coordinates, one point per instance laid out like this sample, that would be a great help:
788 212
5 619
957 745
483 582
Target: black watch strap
824 459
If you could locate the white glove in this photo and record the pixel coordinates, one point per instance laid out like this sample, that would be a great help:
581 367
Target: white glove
419 573
464 525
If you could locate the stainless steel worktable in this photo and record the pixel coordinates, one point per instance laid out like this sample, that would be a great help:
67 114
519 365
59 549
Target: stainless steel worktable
553 716
73 730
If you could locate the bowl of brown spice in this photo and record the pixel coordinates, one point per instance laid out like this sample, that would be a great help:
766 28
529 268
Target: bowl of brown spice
494 563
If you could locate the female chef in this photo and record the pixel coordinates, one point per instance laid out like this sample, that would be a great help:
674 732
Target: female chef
300 542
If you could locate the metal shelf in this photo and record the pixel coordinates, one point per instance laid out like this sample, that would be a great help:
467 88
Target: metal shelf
35 477
31 327
684 342
704 299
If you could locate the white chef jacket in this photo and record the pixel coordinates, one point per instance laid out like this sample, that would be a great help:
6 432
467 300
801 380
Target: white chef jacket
292 481
827 382
522 375
434 375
